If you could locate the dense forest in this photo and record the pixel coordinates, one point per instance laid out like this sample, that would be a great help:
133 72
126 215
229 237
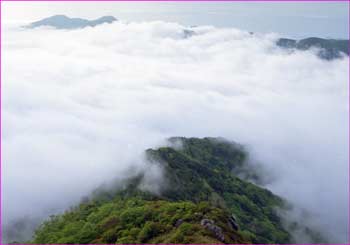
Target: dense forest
207 196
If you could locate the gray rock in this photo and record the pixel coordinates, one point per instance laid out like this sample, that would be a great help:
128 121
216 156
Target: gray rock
206 221
233 222
178 222
216 230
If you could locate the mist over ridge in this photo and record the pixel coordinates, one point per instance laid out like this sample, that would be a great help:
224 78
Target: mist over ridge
85 104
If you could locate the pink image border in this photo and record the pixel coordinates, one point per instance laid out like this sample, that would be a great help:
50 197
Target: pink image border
279 1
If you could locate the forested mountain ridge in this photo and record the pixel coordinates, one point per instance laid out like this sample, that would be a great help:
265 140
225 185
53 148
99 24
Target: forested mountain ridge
329 49
202 200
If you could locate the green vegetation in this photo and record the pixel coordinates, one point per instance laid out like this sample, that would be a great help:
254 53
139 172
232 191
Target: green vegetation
206 169
135 220
202 201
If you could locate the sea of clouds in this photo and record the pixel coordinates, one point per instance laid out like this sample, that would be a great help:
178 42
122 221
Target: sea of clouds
79 107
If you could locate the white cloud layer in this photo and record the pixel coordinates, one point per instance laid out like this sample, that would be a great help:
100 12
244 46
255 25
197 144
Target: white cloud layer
79 107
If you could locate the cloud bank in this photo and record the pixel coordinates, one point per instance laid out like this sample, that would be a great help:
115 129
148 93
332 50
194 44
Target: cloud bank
79 107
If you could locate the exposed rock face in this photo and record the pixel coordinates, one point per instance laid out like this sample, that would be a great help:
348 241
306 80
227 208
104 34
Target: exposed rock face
64 22
178 222
217 231
233 222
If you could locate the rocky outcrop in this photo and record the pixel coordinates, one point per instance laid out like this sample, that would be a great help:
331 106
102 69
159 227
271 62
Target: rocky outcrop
233 222
216 230
178 222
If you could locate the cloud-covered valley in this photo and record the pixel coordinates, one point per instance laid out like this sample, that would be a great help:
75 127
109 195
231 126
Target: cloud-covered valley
79 107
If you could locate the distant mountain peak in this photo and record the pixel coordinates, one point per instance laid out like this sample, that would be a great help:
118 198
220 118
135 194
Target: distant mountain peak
107 18
329 49
64 22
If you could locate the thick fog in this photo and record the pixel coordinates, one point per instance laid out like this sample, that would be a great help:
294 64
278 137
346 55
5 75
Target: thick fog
79 107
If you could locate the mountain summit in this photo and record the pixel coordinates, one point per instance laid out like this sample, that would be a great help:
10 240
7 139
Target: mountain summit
64 22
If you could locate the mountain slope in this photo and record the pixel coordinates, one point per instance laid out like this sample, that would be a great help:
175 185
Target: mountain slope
329 48
64 22
201 201
136 220
205 170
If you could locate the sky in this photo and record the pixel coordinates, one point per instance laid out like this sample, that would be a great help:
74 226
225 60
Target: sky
291 19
